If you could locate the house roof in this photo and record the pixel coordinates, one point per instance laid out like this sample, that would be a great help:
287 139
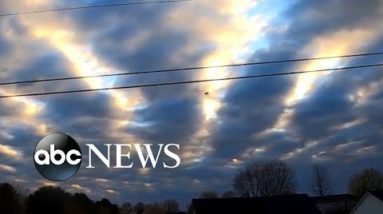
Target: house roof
333 198
297 204
378 194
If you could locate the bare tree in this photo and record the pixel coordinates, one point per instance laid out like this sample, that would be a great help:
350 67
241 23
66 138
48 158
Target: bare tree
171 206
320 182
368 180
246 182
155 208
126 208
267 179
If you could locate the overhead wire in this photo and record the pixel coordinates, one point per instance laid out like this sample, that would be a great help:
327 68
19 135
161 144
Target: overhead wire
193 81
189 68
62 9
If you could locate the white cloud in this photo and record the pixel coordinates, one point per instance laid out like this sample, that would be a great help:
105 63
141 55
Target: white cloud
10 151
6 168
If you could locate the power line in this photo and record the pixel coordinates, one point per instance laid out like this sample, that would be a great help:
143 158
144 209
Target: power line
189 68
193 81
90 7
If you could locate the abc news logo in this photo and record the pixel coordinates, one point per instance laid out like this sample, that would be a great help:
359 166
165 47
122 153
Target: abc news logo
58 157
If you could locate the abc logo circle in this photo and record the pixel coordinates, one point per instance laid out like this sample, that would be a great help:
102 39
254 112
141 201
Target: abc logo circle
57 157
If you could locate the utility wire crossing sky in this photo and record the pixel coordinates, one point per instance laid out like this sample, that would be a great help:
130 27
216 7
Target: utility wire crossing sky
62 9
193 81
192 68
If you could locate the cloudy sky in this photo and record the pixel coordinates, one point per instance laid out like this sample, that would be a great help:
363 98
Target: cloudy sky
331 118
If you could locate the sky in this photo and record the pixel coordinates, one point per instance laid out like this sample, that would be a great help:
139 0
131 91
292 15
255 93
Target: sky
332 118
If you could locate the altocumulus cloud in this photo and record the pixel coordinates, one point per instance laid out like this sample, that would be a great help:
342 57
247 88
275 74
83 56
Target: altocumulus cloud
331 118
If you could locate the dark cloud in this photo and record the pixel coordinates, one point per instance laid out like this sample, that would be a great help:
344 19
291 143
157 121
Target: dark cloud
9 109
275 146
371 109
317 114
313 18
43 64
8 45
84 116
332 104
61 108
170 120
23 141
131 38
4 47
251 106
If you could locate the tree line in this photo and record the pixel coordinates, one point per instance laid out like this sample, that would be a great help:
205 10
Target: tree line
255 180
50 199
277 178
